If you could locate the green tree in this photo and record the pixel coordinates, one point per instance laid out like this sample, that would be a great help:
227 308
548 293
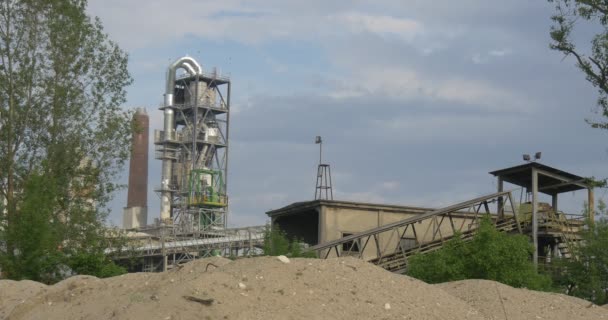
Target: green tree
587 276
277 243
491 255
63 134
593 62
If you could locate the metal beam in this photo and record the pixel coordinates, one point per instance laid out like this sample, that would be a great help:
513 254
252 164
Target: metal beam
500 205
565 183
561 178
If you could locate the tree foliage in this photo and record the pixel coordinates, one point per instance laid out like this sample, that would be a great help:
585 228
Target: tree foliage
63 135
277 243
587 276
593 62
491 255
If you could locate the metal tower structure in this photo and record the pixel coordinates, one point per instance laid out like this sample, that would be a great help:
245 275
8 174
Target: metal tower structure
193 148
323 189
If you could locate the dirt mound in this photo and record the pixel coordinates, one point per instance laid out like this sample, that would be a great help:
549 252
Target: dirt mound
13 293
499 301
267 288
259 288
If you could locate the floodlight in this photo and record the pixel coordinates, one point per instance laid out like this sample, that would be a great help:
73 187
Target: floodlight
537 156
526 157
318 140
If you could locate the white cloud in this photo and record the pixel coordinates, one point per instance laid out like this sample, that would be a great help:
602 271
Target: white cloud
147 24
136 24
390 185
445 128
406 29
482 58
407 84
499 52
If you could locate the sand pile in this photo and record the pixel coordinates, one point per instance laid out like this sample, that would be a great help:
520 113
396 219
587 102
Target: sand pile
498 301
267 288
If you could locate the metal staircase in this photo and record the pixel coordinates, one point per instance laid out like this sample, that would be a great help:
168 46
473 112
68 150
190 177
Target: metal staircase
569 237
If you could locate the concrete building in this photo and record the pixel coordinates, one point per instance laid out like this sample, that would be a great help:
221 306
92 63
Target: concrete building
322 221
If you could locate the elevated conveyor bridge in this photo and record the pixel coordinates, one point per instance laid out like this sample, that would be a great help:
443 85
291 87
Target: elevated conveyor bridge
390 245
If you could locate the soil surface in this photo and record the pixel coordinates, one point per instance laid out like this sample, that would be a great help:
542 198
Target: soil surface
268 288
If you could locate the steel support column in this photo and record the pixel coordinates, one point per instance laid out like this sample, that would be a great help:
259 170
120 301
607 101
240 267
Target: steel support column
535 216
591 204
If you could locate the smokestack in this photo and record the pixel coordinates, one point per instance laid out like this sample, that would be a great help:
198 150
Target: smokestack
136 212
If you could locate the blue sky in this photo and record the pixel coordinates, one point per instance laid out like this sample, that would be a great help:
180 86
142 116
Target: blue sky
416 100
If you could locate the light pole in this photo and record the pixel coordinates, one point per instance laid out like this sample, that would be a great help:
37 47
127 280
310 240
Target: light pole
319 141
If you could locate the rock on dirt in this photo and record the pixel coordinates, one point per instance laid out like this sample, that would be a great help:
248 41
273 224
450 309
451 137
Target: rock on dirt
344 288
283 259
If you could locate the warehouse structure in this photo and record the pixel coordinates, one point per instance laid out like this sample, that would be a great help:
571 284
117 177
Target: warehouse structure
388 234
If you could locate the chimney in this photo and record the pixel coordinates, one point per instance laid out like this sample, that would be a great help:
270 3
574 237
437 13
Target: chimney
136 212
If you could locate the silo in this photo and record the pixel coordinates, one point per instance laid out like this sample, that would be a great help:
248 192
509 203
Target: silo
206 94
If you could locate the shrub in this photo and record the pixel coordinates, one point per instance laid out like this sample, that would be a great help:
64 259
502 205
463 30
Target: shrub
491 255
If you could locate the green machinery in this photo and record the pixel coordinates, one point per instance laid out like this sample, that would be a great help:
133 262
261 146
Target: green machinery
207 195
207 189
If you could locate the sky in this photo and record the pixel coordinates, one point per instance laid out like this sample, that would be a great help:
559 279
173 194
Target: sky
416 100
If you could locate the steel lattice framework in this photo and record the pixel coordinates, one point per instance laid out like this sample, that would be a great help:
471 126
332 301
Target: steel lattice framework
194 149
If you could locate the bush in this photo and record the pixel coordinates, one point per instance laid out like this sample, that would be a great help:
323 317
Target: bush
587 276
491 255
276 243
95 265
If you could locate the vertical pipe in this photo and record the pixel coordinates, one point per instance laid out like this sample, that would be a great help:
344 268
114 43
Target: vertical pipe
320 152
195 121
535 216
162 243
193 154
226 150
193 68
167 166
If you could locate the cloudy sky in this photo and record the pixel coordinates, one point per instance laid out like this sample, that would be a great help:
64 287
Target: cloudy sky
416 100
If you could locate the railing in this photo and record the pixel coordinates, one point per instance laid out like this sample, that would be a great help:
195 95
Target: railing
209 75
215 105
177 244
564 225
179 137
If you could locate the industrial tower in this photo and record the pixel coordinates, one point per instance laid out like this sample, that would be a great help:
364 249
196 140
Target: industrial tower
193 148
135 214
